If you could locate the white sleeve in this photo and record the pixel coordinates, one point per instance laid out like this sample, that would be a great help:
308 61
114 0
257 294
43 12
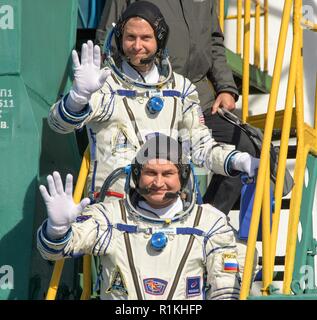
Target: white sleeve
223 277
90 234
100 108
206 152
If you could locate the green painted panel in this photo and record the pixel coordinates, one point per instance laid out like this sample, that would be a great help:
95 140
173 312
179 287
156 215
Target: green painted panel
34 70
304 266
260 82
19 149
10 32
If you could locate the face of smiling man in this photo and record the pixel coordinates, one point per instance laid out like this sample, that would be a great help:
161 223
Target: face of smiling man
139 42
158 177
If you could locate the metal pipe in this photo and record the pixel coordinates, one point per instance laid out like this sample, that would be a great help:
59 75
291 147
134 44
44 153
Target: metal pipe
54 283
266 232
222 14
266 35
239 18
233 17
58 267
246 61
315 122
257 36
284 142
265 151
301 156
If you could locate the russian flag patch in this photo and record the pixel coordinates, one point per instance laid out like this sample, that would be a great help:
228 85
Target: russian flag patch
230 263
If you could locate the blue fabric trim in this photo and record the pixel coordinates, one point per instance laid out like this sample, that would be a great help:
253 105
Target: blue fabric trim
171 93
56 241
227 164
189 107
44 245
81 114
134 229
93 145
126 228
126 93
220 248
107 234
134 93
189 231
105 112
74 120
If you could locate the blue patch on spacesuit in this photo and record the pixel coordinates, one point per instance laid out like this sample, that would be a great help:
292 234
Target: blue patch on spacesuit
155 286
193 286
82 218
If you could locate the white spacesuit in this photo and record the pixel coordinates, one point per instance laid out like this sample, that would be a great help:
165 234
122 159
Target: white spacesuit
122 107
183 251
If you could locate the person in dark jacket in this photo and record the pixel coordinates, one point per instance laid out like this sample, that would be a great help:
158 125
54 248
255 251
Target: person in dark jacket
196 50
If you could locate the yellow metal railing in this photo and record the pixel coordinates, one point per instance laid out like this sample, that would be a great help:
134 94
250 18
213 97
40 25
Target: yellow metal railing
58 267
259 11
306 142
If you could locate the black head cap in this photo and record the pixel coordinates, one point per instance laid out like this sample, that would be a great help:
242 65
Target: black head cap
160 146
149 12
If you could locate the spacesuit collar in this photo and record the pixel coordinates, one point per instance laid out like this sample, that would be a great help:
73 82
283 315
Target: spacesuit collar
164 213
151 76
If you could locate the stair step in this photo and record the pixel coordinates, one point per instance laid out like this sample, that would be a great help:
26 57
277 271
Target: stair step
260 81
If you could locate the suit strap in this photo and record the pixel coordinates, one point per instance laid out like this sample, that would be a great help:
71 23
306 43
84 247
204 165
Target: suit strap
185 256
129 253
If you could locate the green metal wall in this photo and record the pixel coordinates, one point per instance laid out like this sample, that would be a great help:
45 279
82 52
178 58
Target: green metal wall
306 247
36 38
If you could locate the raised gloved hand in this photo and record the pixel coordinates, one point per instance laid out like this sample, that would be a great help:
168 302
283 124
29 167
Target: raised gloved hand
244 162
61 209
88 77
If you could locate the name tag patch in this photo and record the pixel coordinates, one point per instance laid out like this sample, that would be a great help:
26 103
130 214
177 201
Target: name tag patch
193 286
155 286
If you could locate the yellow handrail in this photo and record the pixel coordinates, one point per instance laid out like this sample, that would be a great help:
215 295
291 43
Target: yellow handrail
265 152
246 59
306 143
266 233
266 36
239 18
260 10
222 14
80 185
257 35
285 138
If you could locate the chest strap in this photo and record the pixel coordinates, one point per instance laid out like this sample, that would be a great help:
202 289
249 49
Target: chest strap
185 256
135 229
129 253
160 93
133 121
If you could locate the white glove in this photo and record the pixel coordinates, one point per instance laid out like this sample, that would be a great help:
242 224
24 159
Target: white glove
61 209
88 77
244 162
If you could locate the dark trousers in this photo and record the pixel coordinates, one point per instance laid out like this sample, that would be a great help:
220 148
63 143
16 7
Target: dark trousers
223 191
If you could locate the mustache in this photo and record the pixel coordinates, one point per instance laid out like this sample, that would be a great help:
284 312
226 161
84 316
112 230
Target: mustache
168 195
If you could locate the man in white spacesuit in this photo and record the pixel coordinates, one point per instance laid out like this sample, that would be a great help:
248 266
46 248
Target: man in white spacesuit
157 243
137 95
